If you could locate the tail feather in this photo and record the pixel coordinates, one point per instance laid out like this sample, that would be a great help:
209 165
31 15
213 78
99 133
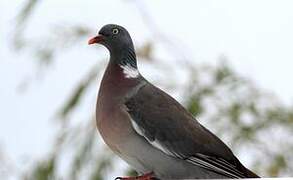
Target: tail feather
250 174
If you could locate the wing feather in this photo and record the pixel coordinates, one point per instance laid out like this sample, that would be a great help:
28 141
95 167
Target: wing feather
165 124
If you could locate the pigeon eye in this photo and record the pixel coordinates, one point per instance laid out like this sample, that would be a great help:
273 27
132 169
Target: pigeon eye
115 31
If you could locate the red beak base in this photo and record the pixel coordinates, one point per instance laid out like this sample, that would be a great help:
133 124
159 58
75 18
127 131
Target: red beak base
96 39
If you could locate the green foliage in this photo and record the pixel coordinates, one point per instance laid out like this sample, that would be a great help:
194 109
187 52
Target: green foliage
44 170
194 105
278 164
78 93
101 168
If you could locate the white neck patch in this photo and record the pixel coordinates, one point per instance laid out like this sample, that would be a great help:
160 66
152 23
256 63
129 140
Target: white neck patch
129 71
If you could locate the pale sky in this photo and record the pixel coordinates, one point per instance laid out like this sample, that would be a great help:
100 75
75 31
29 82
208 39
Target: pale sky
256 36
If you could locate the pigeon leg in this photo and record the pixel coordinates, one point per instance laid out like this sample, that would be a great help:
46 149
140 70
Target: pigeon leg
147 176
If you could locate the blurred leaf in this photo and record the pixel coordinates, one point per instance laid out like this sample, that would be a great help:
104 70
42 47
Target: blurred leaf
78 93
73 100
44 170
26 11
194 106
222 73
278 164
145 51
83 153
131 172
235 112
102 165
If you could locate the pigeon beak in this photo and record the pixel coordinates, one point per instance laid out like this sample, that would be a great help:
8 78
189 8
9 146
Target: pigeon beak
96 39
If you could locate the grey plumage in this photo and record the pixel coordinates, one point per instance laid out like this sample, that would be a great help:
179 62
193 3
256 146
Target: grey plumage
148 128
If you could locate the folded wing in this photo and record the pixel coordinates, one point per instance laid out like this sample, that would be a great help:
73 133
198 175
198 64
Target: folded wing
165 124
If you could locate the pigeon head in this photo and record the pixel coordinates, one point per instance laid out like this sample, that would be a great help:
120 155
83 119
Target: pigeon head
118 41
114 37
